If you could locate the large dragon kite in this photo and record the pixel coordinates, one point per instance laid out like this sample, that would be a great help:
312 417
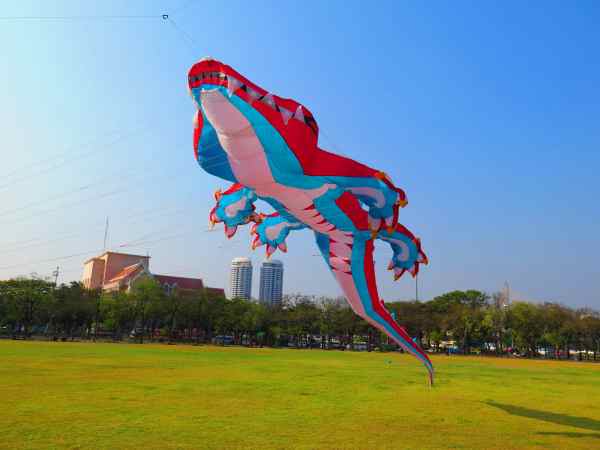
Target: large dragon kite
267 146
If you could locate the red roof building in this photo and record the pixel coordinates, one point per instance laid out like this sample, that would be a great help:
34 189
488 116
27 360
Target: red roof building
114 271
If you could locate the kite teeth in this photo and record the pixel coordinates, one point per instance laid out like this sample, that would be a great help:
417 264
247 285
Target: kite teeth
286 114
232 85
252 95
299 115
269 100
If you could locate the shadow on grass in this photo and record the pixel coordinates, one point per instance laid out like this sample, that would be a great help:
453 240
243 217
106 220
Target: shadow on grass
570 434
560 419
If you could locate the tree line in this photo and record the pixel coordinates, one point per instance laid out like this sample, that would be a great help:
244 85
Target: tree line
456 322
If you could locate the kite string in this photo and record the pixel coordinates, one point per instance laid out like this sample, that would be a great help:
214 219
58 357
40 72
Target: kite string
193 45
105 17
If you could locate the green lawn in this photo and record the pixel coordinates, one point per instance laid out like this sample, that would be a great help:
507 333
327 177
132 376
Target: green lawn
80 395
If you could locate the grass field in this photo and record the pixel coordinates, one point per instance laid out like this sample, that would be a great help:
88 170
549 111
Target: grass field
117 396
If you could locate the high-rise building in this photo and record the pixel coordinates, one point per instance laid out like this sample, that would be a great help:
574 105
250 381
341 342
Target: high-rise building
241 278
271 282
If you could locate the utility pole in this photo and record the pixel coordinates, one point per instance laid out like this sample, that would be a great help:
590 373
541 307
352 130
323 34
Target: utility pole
417 287
506 306
55 274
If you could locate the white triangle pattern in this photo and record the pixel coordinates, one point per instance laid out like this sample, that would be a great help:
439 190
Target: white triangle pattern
252 95
269 100
299 115
286 114
232 85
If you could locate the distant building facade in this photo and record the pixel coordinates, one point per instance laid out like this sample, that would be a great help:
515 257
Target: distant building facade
240 283
271 283
114 272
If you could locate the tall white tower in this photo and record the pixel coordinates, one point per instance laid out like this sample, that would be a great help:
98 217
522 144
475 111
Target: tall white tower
241 278
271 282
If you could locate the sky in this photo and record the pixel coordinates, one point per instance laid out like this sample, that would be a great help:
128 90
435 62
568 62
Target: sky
485 113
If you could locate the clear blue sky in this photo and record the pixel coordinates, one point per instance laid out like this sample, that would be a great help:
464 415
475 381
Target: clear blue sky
487 114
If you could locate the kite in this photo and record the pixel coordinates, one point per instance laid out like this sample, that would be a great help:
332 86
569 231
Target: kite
267 146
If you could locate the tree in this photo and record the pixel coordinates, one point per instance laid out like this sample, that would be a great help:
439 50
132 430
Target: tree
304 319
210 309
332 313
558 327
27 301
118 310
149 299
175 304
590 325
526 321
494 325
74 308
412 316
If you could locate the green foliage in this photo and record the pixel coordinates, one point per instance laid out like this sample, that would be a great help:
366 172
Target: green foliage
118 311
26 302
73 308
469 321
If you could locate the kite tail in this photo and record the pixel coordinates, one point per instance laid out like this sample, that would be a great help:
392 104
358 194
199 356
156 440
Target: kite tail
350 257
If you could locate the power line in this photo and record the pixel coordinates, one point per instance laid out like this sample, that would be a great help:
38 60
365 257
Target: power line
77 157
146 243
167 238
133 218
53 210
51 241
74 255
101 181
95 197
145 237
47 199
60 258
64 194
62 154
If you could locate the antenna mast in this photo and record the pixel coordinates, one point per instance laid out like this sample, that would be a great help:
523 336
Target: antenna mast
105 233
